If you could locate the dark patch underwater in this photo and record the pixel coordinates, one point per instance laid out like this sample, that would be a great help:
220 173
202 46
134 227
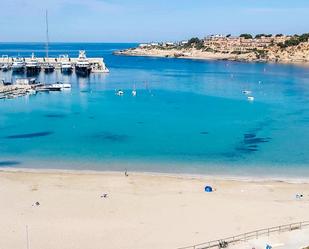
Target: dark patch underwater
9 163
30 135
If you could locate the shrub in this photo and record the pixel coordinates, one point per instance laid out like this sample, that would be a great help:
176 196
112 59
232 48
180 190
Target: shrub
246 36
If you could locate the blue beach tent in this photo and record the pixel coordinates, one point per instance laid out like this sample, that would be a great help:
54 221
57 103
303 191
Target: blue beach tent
208 189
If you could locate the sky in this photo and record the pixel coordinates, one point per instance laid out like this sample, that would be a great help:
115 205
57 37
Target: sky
147 20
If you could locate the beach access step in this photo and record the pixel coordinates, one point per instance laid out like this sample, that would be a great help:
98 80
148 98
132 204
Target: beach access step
222 243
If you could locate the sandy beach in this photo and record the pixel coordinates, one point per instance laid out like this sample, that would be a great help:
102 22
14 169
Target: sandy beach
139 211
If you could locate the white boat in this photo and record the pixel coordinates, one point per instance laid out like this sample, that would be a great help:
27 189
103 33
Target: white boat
246 92
66 67
48 68
61 85
250 98
31 91
5 67
18 65
32 65
82 65
119 93
134 93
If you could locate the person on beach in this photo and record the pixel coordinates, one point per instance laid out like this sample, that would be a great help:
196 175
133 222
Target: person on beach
126 172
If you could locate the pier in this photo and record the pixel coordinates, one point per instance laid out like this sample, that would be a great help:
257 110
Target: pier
96 65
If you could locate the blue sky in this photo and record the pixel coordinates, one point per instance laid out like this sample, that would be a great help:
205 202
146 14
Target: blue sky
142 20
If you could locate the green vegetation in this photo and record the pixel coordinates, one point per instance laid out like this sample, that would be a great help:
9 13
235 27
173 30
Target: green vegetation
246 36
195 42
258 36
279 35
294 41
229 35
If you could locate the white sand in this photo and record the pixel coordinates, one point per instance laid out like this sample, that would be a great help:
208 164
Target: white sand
140 212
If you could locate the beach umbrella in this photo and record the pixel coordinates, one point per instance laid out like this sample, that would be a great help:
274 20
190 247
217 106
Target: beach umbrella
208 189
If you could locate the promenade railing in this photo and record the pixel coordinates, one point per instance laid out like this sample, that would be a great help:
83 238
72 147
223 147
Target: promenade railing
222 243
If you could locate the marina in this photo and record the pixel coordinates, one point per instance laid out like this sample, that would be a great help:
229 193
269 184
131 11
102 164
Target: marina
189 140
64 63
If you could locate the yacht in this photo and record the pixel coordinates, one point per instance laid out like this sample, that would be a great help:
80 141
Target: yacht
66 67
48 67
18 65
5 66
32 65
82 65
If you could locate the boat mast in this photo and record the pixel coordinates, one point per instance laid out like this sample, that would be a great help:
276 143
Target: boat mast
47 37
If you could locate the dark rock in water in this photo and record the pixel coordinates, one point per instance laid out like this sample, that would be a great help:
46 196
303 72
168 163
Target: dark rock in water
112 137
249 135
140 122
8 163
55 115
91 117
204 132
30 135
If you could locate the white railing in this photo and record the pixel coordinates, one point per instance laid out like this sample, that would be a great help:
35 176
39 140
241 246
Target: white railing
222 243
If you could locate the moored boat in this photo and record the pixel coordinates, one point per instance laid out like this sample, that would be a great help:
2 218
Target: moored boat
48 68
62 85
82 66
32 65
66 67
18 65
5 67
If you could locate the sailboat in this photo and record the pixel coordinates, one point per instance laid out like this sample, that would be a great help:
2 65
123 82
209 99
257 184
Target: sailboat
48 67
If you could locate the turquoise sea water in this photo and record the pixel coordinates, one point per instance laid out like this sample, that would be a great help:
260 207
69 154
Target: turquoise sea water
188 116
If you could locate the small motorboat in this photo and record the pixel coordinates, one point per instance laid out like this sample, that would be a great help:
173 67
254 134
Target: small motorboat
5 67
52 87
250 98
246 92
119 93
134 93
31 91
62 85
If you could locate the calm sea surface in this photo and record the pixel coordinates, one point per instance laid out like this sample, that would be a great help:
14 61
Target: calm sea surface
188 116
